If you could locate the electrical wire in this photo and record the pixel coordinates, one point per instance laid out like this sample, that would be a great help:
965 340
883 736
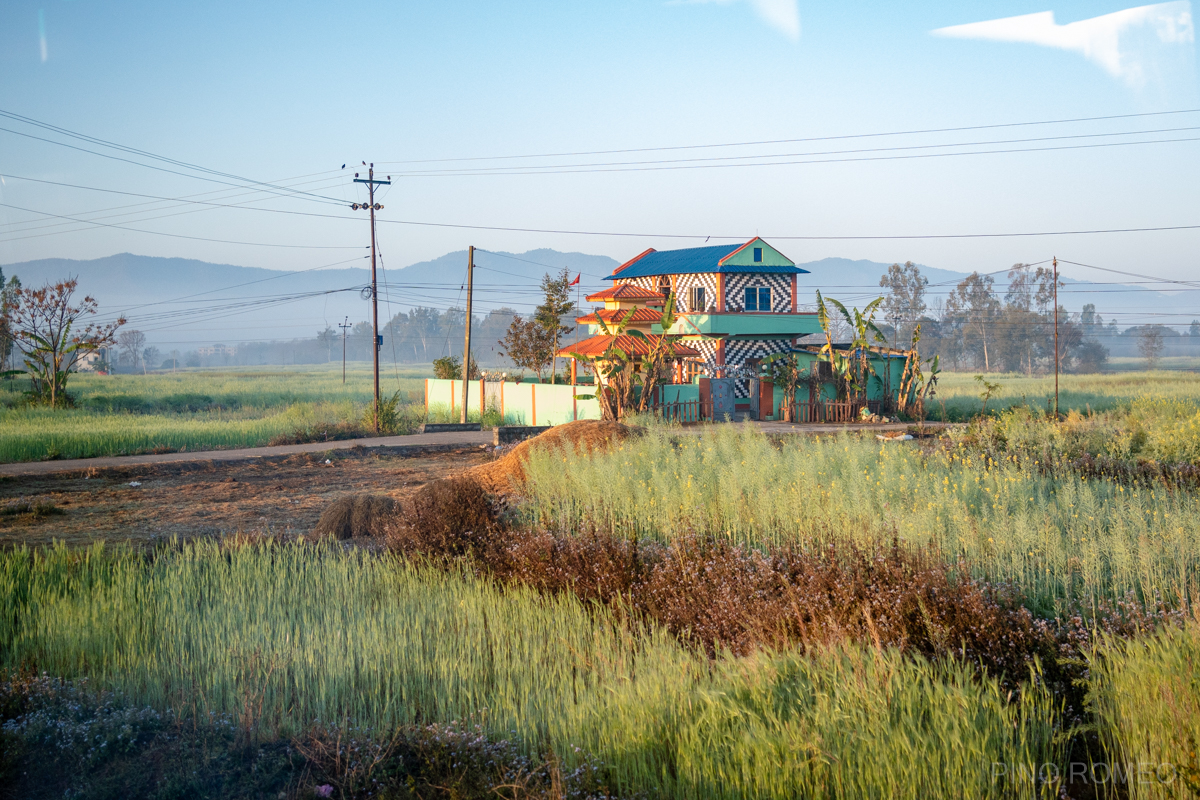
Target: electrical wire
180 235
800 140
710 161
146 154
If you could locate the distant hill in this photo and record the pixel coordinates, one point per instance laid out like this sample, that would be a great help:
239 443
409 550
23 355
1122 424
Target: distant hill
182 303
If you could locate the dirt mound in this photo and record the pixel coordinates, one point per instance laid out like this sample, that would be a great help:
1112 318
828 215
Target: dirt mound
446 519
582 436
357 515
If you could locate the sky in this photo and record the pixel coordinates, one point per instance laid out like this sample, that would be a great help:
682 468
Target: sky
287 93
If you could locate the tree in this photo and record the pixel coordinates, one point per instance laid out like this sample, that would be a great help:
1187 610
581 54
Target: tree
7 296
450 368
1193 331
974 303
550 313
131 343
1092 357
47 325
905 299
528 344
1150 344
150 356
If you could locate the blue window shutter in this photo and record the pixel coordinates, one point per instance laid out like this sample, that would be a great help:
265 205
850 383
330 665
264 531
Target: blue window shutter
751 299
764 299
758 255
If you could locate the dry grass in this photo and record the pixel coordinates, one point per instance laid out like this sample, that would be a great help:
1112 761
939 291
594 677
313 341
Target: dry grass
582 437
356 515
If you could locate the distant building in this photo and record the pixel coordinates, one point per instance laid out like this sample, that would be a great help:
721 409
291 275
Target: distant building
217 350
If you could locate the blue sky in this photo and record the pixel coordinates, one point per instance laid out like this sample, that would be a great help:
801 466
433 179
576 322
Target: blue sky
277 90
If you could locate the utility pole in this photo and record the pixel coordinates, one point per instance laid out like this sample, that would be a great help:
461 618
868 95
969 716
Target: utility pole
466 368
344 326
372 206
1055 337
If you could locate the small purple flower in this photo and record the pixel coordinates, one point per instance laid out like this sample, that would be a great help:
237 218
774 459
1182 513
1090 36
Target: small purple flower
324 790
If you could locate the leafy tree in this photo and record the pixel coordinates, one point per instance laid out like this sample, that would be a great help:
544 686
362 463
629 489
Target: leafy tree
974 303
905 299
1092 357
528 344
1194 330
150 356
48 325
449 368
549 314
1150 344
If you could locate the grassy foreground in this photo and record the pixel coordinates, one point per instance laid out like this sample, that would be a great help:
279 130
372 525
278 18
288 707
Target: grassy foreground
1067 541
279 638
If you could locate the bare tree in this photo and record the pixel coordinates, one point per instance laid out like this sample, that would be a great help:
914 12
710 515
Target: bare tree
46 325
131 344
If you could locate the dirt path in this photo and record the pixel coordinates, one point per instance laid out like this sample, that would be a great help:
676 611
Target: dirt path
414 441
148 502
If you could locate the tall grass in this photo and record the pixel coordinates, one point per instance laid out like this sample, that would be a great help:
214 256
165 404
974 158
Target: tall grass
1066 541
958 393
1146 695
282 636
194 410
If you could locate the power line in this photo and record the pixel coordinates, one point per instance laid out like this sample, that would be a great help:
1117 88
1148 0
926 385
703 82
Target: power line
145 154
710 161
179 235
742 238
799 140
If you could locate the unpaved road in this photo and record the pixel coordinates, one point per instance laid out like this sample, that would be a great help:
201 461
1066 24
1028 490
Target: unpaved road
280 494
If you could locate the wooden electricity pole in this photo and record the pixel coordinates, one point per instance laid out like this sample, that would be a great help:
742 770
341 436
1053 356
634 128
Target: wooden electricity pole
466 367
344 326
372 206
1055 338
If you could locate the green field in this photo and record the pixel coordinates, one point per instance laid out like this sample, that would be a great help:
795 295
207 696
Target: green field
247 407
199 410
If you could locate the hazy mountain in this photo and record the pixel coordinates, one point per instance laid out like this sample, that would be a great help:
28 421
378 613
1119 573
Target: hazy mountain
181 303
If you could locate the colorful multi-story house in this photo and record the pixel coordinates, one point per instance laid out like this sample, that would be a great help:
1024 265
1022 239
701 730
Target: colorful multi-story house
736 305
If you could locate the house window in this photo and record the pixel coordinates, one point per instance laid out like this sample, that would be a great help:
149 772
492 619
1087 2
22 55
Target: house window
758 255
696 299
758 298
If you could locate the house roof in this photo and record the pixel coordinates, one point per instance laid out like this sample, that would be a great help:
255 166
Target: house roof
633 345
612 315
628 292
714 258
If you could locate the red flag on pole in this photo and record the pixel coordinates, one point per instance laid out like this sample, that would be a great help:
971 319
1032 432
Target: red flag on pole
577 277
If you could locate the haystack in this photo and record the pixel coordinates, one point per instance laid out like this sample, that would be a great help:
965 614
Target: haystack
581 437
357 515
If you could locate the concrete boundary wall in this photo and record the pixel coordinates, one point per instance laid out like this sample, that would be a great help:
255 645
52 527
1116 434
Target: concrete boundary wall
518 403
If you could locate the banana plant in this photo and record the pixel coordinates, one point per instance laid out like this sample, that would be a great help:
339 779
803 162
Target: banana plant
614 387
661 350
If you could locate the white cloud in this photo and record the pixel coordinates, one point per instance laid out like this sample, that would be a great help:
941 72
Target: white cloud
1117 42
782 15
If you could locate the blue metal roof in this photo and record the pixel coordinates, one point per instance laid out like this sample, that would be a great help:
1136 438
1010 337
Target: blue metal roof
695 259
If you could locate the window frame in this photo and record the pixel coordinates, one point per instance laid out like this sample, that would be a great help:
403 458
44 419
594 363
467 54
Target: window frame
696 299
750 294
767 295
758 255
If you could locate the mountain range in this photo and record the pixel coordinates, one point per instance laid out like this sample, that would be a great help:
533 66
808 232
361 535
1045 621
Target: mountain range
182 303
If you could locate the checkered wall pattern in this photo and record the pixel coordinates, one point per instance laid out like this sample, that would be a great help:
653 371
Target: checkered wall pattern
739 351
736 284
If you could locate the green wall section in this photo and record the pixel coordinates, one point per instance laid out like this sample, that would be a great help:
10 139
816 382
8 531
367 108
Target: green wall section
523 403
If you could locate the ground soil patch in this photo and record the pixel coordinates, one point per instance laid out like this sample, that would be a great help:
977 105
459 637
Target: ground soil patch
280 496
